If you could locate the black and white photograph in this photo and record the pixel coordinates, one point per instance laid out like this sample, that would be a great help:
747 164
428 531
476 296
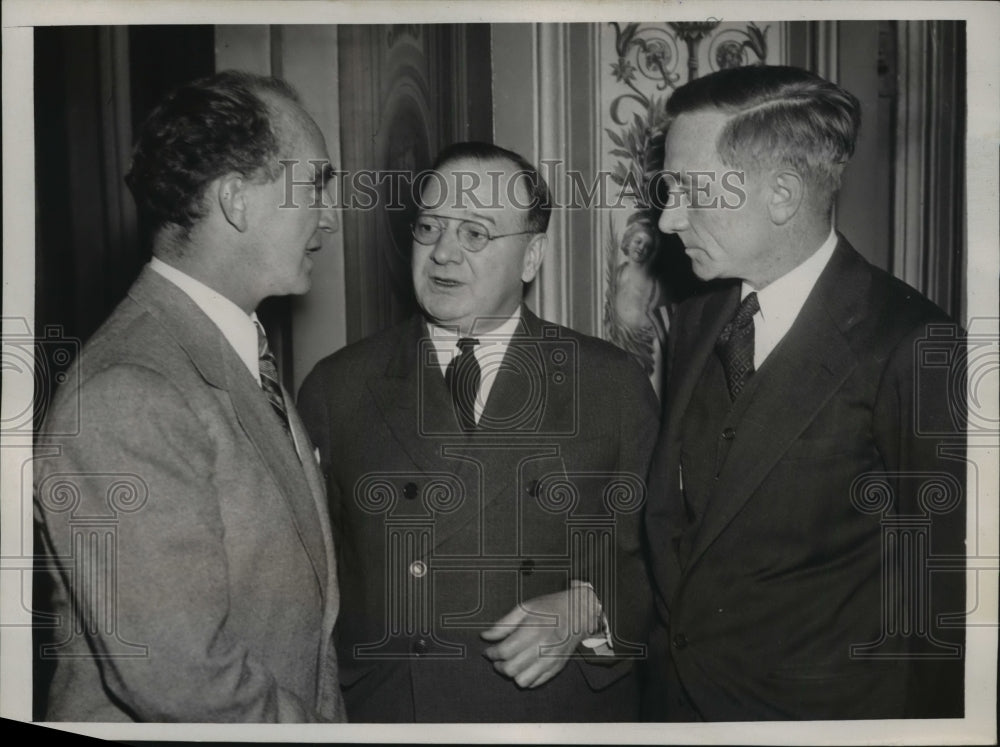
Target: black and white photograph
563 372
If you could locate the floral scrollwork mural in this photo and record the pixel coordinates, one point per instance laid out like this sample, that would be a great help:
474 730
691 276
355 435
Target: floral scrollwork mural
648 62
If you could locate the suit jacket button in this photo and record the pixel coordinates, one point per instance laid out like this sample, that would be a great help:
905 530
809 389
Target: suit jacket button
729 434
418 569
532 488
420 647
680 641
410 490
527 566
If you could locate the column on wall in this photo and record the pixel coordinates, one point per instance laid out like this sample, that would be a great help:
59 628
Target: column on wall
545 81
902 201
406 91
928 249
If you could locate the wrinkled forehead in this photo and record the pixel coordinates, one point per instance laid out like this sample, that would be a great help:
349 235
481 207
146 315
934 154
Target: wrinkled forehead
691 141
494 187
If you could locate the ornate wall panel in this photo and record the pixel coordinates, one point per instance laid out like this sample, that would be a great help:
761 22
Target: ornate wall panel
641 64
405 91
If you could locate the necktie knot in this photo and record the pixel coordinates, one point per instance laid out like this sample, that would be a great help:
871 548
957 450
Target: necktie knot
735 346
463 378
742 319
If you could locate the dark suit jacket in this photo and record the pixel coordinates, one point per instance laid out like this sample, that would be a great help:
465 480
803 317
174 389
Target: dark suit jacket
847 423
192 547
443 533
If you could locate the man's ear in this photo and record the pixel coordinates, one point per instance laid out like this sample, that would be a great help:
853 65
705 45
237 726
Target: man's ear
231 193
786 195
534 253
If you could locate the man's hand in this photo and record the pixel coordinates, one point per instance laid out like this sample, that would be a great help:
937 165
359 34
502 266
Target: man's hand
533 641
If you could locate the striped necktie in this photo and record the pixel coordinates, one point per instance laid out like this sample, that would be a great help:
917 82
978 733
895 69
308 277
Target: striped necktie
269 377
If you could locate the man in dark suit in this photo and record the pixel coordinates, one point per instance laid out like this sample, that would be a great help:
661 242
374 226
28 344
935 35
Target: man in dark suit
181 503
485 469
810 468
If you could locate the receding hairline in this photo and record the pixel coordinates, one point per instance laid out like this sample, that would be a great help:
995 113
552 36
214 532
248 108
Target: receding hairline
482 164
288 118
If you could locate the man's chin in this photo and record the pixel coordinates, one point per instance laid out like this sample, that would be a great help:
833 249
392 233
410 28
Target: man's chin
302 286
703 270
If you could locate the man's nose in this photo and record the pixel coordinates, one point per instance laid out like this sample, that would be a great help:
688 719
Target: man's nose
673 219
329 218
446 248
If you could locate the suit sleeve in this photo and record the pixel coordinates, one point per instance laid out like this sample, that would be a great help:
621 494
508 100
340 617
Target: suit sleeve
171 588
921 433
626 596
638 426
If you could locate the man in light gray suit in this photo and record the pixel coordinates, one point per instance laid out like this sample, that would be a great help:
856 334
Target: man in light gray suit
184 513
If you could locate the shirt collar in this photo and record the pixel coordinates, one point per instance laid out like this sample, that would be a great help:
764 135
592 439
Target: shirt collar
445 339
235 324
783 298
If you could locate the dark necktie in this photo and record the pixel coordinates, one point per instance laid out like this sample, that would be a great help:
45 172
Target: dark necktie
269 377
735 346
462 377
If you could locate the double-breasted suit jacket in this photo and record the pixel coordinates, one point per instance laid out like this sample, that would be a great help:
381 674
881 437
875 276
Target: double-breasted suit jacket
445 532
792 539
196 576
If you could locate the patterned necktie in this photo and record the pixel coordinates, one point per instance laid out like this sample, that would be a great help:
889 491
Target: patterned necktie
735 346
462 377
269 377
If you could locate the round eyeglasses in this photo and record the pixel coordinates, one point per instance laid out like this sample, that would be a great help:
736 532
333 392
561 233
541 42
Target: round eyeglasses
472 236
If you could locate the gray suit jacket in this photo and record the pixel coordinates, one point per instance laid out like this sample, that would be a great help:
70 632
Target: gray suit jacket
191 551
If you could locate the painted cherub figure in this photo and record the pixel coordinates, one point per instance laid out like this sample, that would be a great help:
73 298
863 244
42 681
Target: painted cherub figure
635 308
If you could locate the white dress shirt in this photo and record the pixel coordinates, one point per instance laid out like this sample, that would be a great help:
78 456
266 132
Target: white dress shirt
782 300
489 353
236 326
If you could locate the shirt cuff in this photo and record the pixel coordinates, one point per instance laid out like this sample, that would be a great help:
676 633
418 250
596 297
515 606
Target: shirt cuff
599 644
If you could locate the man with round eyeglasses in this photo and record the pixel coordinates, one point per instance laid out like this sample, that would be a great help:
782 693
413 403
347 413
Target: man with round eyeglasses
490 465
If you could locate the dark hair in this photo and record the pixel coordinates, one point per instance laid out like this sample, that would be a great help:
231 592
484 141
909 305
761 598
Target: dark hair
539 199
780 116
202 130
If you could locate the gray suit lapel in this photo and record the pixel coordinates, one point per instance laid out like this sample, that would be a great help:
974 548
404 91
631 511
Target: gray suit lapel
314 478
276 450
222 368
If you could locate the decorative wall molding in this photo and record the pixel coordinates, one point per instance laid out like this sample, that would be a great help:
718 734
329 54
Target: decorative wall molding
641 64
929 230
552 139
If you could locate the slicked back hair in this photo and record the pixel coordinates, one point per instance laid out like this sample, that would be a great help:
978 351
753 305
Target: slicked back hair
202 130
779 116
539 205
